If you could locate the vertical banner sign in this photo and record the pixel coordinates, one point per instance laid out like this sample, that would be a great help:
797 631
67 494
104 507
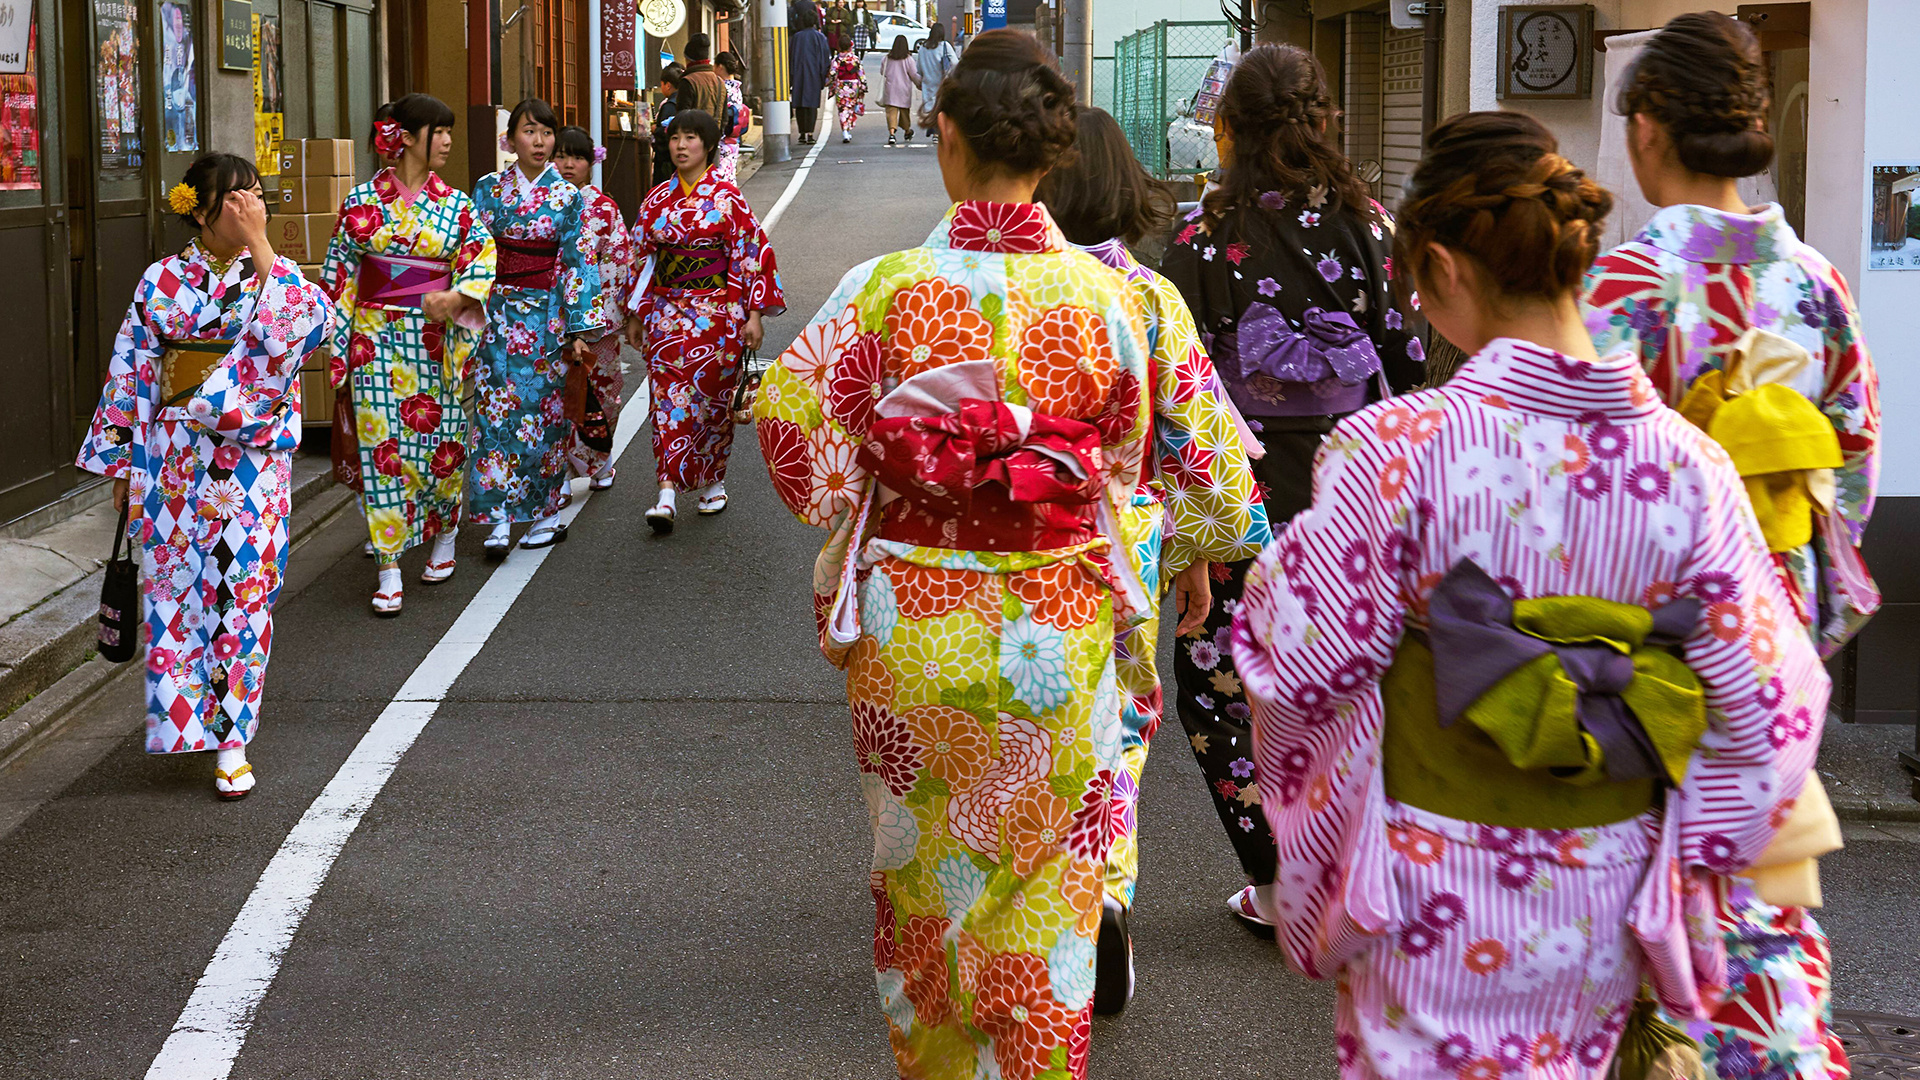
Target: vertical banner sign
617 47
269 100
117 83
995 15
179 79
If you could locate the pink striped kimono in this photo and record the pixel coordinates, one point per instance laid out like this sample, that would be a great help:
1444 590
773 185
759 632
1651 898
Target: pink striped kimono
1470 951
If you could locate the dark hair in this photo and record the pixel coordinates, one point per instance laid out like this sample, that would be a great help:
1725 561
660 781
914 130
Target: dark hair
415 112
936 34
901 50
1277 109
1011 103
673 75
699 48
573 141
213 177
732 62
1104 192
805 18
535 110
1703 79
701 123
1494 187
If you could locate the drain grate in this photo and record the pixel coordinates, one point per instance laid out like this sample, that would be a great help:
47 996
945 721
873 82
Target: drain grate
1881 1047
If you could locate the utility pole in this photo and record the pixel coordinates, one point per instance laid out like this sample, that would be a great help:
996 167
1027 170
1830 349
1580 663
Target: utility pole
776 106
1076 46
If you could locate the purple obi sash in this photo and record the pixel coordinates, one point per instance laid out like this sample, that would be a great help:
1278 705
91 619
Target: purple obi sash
527 264
400 281
1273 369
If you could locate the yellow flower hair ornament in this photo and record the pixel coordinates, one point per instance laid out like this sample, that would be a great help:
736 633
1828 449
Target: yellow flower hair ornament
183 199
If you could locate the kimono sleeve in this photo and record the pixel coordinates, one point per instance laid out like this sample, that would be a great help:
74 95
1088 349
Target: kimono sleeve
579 274
253 397
1214 511
1181 266
340 274
1629 304
475 259
107 449
809 451
754 276
1317 628
1851 399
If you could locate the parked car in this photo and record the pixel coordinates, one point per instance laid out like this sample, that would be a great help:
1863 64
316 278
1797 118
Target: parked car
889 25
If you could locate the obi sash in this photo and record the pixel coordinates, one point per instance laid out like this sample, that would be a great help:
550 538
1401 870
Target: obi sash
400 281
1578 710
184 365
527 264
1322 369
699 268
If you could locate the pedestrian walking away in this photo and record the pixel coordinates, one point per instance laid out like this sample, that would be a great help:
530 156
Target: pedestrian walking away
410 266
812 63
1196 502
973 577
538 316
692 312
935 59
590 448
849 88
196 427
1285 268
668 90
735 120
899 75
1727 309
1489 851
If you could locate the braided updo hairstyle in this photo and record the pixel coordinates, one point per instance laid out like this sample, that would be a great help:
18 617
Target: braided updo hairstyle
1012 104
1281 116
1703 79
1494 187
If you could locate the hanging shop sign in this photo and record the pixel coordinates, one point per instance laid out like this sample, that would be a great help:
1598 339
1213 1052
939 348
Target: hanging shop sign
663 18
617 70
236 35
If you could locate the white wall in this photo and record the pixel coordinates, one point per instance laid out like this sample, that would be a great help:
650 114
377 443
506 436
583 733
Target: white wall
1115 19
1577 123
1889 299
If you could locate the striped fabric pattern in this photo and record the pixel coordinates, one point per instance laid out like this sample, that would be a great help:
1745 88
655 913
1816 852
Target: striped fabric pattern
1558 477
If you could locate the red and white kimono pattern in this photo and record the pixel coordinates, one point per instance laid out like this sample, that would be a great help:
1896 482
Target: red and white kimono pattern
693 335
210 481
1469 951
604 232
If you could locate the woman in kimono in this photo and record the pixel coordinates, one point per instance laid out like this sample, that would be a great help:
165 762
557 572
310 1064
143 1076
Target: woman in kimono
969 420
1524 678
1286 268
591 444
196 427
849 87
726 163
812 61
410 267
693 311
1195 504
538 319
1720 302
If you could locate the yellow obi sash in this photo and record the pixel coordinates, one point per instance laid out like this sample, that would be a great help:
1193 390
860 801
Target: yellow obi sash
184 365
1577 710
1784 448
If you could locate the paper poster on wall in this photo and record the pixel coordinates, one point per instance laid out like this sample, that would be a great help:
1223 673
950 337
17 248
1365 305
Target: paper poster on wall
16 46
20 124
269 104
117 88
1894 234
179 81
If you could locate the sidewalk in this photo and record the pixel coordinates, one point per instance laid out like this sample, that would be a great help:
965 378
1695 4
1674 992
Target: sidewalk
1860 765
50 600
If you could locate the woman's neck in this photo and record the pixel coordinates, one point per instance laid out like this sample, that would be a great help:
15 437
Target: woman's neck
412 172
1000 187
217 250
691 180
1551 324
1698 189
530 171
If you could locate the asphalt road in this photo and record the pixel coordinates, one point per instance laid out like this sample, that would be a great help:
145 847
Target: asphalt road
630 843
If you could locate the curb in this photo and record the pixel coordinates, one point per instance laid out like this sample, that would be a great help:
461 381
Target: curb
58 668
1867 808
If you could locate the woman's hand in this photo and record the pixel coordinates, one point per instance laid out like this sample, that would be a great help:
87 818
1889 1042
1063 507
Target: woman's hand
448 305
752 334
637 333
578 351
1192 598
121 489
245 214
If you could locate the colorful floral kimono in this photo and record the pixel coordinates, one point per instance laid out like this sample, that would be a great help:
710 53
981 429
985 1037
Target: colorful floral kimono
1488 947
969 419
726 160
209 471
712 265
1196 503
1294 300
543 294
612 254
407 375
849 88
1680 296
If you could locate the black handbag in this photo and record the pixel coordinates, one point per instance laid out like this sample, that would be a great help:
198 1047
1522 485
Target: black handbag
120 599
752 368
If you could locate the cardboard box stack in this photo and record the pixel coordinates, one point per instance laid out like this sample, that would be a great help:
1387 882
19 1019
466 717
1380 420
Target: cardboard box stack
315 176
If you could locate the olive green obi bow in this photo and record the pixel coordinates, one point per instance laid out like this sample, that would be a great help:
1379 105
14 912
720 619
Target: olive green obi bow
1577 710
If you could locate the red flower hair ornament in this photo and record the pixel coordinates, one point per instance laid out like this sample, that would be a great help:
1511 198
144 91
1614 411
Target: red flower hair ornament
389 139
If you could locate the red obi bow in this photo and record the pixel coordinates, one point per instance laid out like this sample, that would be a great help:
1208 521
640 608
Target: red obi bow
937 461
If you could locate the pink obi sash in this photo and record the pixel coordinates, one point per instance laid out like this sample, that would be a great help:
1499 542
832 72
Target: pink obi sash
400 281
527 264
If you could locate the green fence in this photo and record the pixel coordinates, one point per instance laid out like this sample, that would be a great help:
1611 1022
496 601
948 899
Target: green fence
1102 83
1156 73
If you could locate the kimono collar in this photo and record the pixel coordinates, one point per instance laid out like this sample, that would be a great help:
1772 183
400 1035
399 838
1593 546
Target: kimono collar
387 185
1007 228
1530 378
198 256
516 178
1701 234
1112 252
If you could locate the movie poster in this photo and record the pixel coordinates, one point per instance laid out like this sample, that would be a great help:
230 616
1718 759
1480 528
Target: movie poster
180 105
20 118
117 84
269 103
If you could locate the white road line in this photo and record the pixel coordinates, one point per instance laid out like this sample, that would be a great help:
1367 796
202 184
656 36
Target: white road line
793 185
212 1028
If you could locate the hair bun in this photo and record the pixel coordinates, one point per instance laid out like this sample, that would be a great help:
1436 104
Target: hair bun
1704 80
1011 103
